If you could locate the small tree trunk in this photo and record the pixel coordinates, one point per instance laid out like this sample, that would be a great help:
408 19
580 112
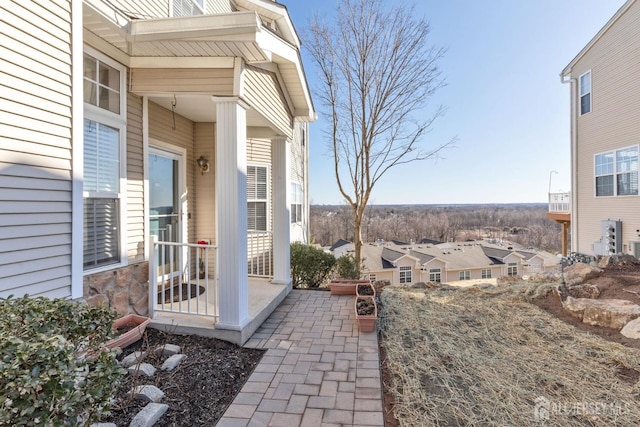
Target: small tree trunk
357 237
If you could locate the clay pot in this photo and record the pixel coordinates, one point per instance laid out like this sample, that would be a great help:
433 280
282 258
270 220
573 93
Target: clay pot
139 324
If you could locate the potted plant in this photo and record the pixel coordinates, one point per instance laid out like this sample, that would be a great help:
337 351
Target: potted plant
365 289
345 286
131 328
366 313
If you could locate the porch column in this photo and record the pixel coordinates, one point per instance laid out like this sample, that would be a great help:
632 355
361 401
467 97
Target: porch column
231 191
280 153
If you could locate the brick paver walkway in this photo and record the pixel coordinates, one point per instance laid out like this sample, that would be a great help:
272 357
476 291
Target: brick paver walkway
318 369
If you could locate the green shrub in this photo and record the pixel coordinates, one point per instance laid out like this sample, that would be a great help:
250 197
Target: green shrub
346 266
310 266
54 370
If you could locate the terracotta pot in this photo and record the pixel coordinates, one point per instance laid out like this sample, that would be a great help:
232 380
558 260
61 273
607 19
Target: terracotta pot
366 322
132 335
345 286
365 289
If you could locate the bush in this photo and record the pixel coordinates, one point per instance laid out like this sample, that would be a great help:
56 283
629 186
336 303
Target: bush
310 266
54 369
346 266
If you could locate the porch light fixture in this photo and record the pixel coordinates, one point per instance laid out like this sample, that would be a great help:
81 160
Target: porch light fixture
203 164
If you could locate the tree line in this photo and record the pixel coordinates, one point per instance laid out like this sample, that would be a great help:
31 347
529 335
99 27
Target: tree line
526 224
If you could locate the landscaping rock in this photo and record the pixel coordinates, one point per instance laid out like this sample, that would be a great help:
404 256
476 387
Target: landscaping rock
149 415
485 286
584 291
419 285
605 261
579 273
632 329
574 306
143 369
544 277
168 349
147 393
172 362
610 313
133 358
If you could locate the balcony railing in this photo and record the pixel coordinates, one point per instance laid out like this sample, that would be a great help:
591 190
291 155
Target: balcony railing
183 278
260 254
560 202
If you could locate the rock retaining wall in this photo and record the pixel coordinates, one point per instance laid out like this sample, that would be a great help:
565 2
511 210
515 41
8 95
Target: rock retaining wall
126 289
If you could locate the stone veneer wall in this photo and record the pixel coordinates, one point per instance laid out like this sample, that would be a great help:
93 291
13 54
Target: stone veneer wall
126 289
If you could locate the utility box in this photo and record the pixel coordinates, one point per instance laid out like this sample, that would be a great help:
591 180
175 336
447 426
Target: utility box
611 232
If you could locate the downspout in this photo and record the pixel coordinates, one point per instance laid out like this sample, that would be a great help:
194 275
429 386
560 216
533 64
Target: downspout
574 160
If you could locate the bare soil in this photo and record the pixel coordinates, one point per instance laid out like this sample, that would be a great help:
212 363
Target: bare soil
199 390
616 282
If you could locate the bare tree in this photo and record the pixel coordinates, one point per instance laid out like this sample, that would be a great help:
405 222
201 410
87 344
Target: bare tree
378 72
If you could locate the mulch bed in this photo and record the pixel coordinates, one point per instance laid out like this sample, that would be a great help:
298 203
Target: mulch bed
199 390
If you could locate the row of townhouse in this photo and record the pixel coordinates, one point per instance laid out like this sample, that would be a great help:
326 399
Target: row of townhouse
602 208
130 131
438 262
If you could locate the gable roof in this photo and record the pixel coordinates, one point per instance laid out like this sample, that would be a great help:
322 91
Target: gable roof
339 244
430 242
567 70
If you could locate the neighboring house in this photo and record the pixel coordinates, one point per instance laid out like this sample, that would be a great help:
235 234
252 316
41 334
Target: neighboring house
605 106
128 122
449 262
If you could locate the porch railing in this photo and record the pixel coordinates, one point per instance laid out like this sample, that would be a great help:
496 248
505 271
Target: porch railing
260 254
185 276
560 202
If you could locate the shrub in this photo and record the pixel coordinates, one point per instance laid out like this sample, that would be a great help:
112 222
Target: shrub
54 369
346 266
310 266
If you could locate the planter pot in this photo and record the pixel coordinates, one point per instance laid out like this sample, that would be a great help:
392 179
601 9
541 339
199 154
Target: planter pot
344 287
138 323
365 289
366 313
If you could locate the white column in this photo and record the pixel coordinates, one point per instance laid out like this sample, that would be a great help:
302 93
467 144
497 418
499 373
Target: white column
280 158
231 190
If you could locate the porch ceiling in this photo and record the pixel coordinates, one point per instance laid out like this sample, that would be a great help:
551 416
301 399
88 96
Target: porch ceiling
232 35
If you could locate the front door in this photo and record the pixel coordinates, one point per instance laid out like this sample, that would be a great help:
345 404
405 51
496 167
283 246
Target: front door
166 189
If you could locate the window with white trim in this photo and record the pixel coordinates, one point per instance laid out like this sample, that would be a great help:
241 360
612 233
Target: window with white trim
187 7
465 275
296 202
372 278
405 274
257 192
616 173
512 269
104 140
435 275
486 273
585 93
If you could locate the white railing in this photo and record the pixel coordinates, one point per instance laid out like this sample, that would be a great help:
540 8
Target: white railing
183 278
260 254
560 202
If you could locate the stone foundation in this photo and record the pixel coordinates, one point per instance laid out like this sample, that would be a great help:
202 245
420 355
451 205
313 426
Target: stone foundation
126 289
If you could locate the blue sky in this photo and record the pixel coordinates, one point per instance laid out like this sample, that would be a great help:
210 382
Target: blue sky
504 101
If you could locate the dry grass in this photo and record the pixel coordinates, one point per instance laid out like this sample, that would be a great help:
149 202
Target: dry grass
474 357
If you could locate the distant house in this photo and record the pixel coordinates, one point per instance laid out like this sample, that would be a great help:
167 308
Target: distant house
131 130
605 106
448 262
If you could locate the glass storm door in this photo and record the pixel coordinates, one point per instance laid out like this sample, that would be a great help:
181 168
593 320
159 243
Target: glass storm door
165 213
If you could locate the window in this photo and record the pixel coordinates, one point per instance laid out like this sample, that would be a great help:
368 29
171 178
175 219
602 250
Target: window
486 273
465 275
512 269
435 275
372 278
405 274
104 130
616 173
257 198
187 7
585 93
296 202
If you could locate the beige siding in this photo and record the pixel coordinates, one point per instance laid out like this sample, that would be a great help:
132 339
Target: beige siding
612 124
35 148
208 81
142 9
205 208
160 128
219 6
297 154
263 92
135 181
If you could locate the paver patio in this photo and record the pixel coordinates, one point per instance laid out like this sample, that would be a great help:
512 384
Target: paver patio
318 369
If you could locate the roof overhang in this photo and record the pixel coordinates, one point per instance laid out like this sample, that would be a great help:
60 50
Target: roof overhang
569 68
237 34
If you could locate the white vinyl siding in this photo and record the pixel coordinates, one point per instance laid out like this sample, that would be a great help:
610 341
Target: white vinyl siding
35 149
219 6
616 172
264 94
218 81
585 93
